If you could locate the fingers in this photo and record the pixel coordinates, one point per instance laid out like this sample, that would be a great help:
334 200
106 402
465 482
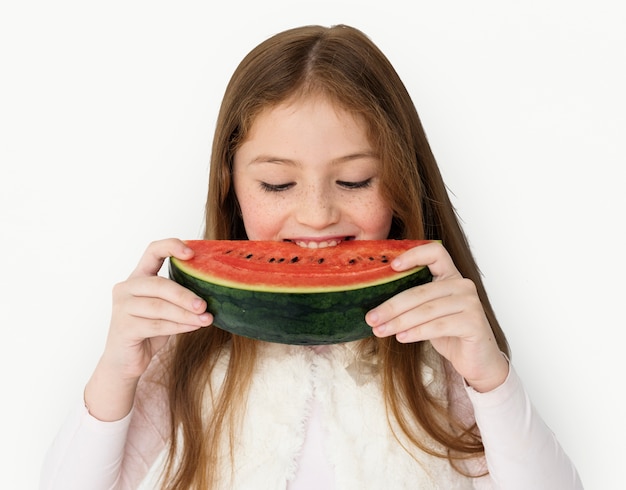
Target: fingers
433 255
155 306
449 306
434 310
156 253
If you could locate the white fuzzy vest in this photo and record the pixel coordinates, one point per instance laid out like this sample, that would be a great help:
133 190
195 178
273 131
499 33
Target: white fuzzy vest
360 445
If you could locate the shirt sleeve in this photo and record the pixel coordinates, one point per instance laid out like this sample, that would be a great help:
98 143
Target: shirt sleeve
521 451
86 453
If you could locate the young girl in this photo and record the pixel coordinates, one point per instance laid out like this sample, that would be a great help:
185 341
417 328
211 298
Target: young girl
317 142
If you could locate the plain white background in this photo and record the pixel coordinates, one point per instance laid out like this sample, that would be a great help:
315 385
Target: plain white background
106 116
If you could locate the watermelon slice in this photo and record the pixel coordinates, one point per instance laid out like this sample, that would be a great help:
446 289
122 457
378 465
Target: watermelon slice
281 292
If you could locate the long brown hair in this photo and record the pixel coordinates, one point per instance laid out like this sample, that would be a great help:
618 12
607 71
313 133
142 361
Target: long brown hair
342 64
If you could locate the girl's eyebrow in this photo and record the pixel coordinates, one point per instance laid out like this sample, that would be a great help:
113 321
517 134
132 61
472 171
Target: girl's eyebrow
295 163
273 159
369 154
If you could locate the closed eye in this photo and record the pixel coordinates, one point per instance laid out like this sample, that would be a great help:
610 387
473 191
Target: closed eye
267 187
355 185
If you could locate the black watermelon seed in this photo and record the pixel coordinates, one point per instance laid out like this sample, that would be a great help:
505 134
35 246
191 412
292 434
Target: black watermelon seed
294 260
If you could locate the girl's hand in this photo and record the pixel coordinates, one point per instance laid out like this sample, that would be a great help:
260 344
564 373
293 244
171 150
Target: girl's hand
147 309
448 313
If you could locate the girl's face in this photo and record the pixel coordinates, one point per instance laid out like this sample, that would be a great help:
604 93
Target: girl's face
308 174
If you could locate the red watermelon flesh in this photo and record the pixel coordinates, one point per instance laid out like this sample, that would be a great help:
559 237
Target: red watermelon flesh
285 266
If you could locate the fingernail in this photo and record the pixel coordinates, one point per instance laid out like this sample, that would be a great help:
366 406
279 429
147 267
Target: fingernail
372 318
198 303
205 317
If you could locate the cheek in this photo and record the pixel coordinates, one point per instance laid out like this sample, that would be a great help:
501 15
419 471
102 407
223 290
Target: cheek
381 223
374 217
252 210
260 218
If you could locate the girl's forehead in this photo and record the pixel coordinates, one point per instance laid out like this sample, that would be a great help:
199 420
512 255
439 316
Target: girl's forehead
306 102
305 129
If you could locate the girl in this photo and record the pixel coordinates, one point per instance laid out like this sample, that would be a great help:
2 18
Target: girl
317 141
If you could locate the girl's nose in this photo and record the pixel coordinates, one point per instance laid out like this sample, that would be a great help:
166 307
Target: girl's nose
317 209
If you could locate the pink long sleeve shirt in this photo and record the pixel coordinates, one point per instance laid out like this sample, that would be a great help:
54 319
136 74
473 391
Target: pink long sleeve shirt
315 419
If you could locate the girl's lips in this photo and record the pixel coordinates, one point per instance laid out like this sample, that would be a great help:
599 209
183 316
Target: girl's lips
320 242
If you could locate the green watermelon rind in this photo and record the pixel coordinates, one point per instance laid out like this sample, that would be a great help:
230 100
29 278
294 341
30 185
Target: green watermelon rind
298 318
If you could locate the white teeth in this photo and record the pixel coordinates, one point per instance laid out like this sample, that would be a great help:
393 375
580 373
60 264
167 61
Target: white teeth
329 243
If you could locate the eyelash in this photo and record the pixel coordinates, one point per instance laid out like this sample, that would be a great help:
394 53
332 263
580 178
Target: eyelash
275 187
356 185
348 185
